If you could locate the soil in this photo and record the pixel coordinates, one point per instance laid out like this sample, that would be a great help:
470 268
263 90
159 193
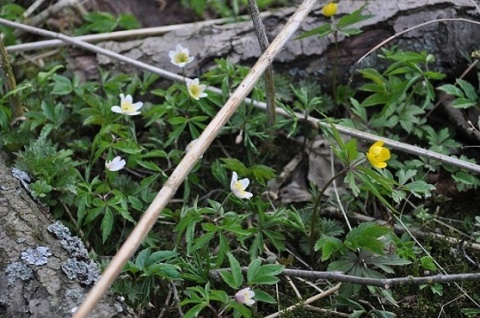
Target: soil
149 13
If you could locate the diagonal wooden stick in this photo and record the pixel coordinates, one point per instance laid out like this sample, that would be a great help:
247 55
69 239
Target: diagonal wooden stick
180 173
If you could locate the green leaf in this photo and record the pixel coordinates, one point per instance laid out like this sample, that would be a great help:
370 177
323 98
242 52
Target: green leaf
328 245
266 275
374 75
43 76
320 31
62 86
463 103
107 224
253 269
351 31
236 270
367 236
235 165
160 256
351 148
141 259
451 89
468 89
260 295
375 99
420 188
428 263
352 18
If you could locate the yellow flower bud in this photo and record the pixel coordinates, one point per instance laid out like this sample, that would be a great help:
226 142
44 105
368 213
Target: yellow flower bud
330 9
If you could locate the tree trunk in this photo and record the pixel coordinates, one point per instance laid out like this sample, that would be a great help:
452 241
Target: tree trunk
44 271
314 55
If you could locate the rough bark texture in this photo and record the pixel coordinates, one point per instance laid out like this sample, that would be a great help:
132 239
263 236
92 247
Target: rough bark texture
313 55
36 256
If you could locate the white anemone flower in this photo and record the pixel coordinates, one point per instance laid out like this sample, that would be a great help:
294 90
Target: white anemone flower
116 164
195 89
127 107
180 57
245 296
238 187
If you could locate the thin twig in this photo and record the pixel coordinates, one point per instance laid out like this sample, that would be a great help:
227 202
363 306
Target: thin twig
307 301
137 33
268 76
379 282
376 47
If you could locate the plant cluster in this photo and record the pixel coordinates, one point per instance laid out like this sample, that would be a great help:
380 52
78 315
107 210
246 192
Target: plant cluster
97 156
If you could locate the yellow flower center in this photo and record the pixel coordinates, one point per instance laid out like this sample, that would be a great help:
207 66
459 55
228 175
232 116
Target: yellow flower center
181 58
195 90
127 107
238 186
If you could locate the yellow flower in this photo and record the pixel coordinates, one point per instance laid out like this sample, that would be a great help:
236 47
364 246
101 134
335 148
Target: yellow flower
377 155
330 9
195 89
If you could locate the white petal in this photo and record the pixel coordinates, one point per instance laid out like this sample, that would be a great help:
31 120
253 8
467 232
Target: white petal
117 109
244 182
234 180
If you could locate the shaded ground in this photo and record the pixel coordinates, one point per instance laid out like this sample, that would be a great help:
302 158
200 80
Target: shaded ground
149 13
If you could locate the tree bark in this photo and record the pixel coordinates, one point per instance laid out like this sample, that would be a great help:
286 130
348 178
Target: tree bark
313 55
44 271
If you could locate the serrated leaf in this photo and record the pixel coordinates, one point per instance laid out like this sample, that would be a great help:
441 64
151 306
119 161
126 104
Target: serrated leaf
270 269
320 31
260 295
352 18
351 31
375 99
351 148
253 269
235 165
451 89
107 224
236 270
62 86
264 280
428 263
463 103
468 89
160 256
142 257
420 187
328 245
229 279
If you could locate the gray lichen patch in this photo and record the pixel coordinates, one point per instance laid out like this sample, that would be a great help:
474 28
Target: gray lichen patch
72 244
87 272
38 256
18 270
79 265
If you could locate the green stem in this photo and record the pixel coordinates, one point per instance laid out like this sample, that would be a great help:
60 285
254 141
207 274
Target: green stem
316 213
335 68
11 84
